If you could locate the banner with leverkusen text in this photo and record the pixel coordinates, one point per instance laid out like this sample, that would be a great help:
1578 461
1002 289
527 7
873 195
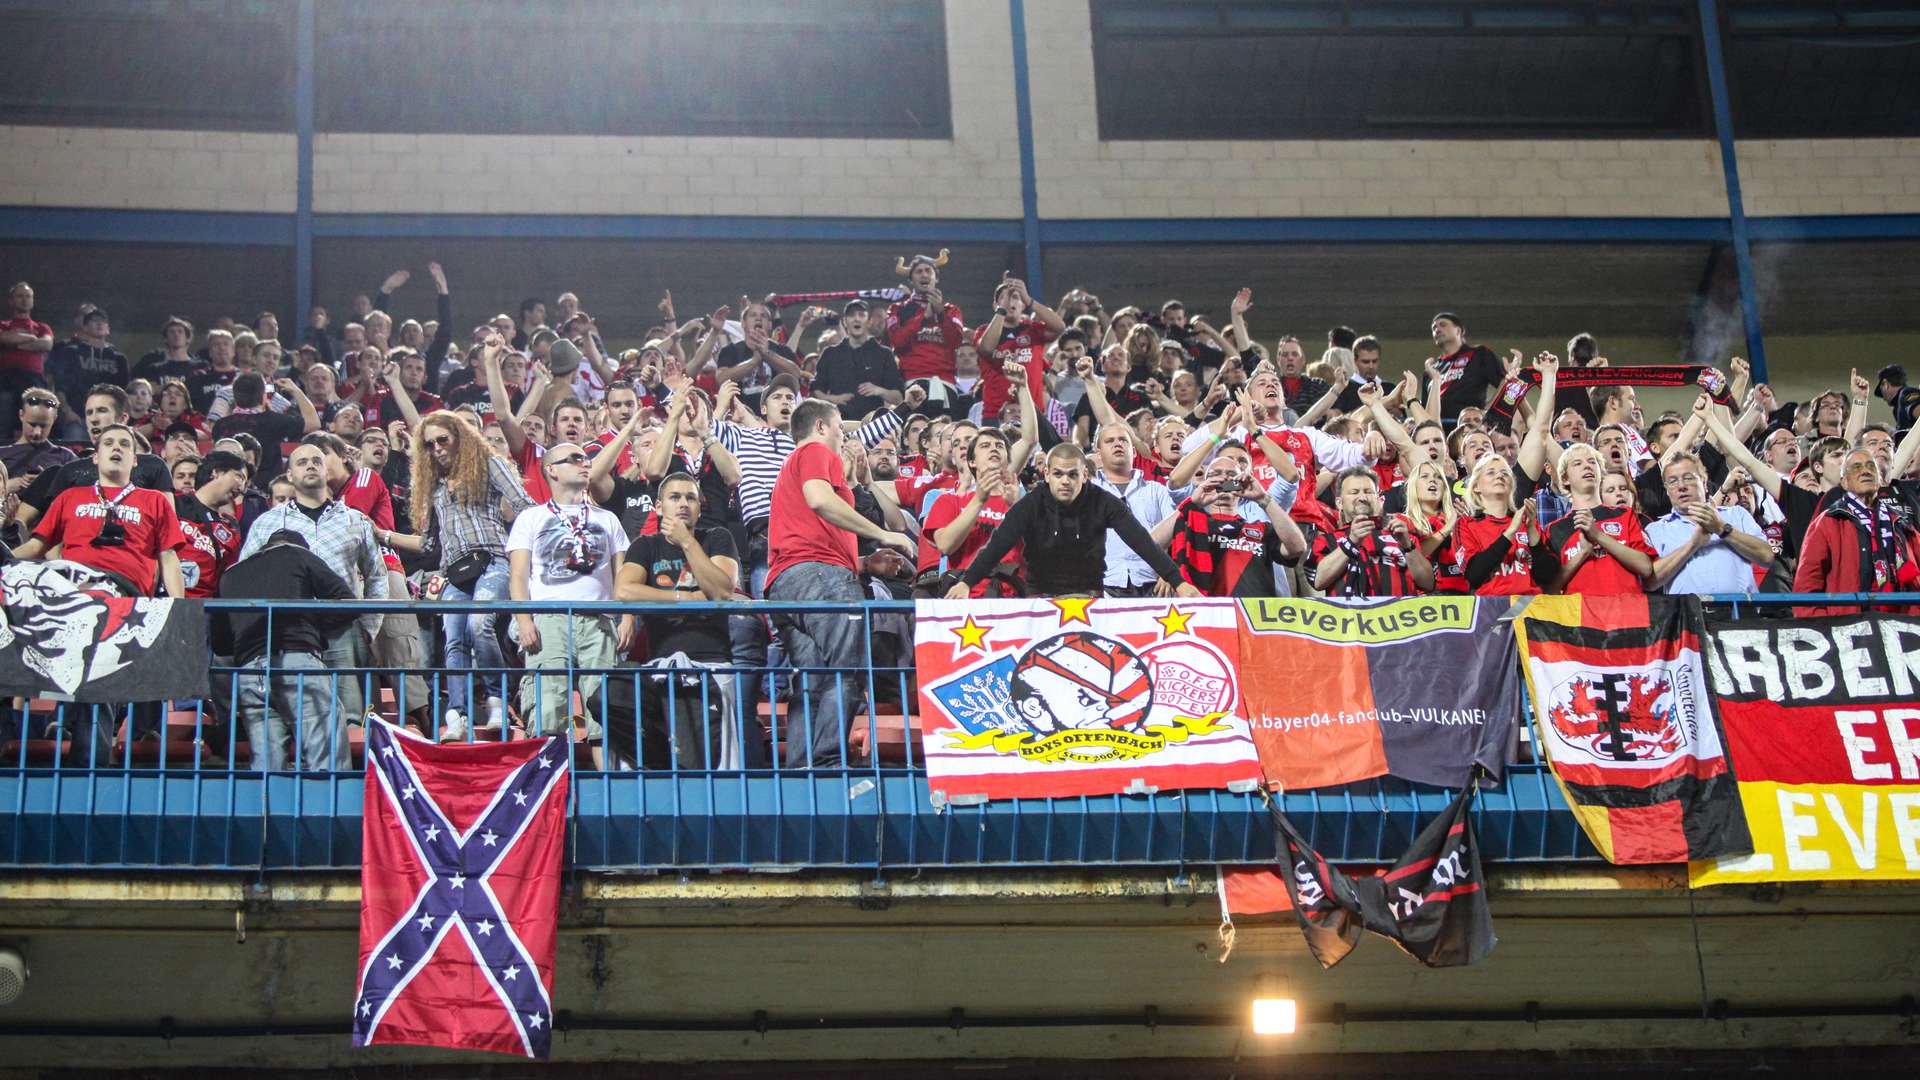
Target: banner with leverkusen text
1421 688
1822 719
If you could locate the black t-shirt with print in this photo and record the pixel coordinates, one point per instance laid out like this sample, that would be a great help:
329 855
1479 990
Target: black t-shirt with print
702 636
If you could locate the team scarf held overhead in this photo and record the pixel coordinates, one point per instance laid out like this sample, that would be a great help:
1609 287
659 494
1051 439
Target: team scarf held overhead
889 296
1710 379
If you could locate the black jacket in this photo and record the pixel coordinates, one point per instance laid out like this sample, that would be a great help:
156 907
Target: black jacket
283 572
1066 546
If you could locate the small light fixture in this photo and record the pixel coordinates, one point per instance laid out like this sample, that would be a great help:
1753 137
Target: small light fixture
1274 1016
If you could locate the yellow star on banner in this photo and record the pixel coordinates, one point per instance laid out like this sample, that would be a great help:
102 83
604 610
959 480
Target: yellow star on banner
1074 609
972 635
1173 622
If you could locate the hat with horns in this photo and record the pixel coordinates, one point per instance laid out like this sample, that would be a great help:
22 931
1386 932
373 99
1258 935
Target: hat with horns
904 266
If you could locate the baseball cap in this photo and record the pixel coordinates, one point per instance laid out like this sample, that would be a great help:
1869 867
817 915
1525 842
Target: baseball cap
1894 374
855 304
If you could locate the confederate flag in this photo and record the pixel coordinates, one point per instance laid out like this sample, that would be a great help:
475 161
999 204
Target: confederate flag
460 892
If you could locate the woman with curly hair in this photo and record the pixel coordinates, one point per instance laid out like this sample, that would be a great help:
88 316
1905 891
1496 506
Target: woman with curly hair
469 496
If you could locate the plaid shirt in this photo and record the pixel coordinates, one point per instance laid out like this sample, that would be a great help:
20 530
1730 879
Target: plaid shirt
342 538
468 527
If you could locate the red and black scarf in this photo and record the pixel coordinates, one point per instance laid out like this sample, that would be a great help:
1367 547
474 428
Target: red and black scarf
1883 532
1707 378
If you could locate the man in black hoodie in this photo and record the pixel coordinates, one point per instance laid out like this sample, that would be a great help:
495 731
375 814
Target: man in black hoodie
1063 526
83 361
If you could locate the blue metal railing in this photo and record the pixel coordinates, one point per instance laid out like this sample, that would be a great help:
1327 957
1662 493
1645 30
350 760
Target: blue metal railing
192 796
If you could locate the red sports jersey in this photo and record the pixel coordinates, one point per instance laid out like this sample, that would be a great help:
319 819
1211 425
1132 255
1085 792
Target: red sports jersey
1449 575
1515 576
924 343
912 492
77 515
1024 342
944 511
1150 468
213 545
1376 565
531 474
367 493
1216 551
606 438
1299 446
1602 574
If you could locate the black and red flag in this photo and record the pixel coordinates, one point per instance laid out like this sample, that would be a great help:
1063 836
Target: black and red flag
1432 903
1627 720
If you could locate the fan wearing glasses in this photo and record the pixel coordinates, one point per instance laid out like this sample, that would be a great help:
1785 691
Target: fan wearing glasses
34 452
565 550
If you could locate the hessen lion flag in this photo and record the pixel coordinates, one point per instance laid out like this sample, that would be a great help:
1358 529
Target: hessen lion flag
1823 725
1625 719
460 892
1033 698
1422 688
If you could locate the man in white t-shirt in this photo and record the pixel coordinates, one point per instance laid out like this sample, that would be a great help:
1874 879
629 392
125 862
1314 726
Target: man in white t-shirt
565 549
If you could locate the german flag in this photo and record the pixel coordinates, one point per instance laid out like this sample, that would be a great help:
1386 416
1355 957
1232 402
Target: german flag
1625 716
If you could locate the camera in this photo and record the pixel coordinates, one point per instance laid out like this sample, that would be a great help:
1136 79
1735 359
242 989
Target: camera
1238 483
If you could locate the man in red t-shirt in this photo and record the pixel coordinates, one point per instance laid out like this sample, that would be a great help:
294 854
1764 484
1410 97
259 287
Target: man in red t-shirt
959 524
1019 331
813 537
112 526
24 345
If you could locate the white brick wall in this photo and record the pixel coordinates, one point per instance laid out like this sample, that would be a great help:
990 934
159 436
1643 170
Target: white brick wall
152 170
1781 177
976 174
1081 177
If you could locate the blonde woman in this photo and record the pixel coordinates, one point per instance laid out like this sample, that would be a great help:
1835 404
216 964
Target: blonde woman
1432 521
1501 549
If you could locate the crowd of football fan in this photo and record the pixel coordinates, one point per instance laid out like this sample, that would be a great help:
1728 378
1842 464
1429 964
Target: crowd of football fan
884 448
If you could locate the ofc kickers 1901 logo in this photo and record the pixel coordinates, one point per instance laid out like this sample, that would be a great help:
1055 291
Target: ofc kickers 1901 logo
1054 688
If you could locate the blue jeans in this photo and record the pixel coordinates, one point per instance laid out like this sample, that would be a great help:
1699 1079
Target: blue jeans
825 647
752 649
296 701
471 640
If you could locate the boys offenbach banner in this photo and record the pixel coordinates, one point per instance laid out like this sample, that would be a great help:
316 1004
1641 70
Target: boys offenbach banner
1423 689
1822 718
1625 718
1031 698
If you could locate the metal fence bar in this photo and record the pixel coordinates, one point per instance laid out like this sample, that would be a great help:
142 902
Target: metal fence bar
73 803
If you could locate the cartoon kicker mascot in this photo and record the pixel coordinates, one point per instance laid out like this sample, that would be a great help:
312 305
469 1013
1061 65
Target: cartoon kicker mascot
1080 680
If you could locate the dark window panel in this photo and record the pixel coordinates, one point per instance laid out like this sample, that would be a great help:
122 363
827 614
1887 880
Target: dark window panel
1820 70
1382 70
223 65
827 68
140 285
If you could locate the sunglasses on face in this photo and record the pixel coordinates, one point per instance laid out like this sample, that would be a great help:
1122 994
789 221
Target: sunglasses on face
435 444
570 459
48 402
